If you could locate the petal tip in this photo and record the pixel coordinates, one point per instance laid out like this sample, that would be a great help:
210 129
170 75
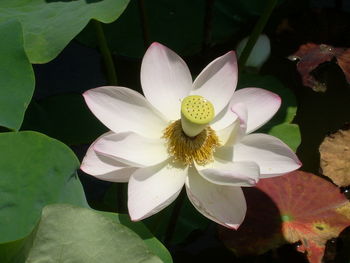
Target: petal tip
231 226
134 219
156 44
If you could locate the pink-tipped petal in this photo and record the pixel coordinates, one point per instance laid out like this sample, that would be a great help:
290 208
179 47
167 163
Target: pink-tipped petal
165 80
261 105
223 172
132 149
122 110
153 188
218 81
223 204
272 155
104 167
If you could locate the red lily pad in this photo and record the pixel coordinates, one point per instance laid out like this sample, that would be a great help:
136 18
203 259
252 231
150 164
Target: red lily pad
297 207
311 55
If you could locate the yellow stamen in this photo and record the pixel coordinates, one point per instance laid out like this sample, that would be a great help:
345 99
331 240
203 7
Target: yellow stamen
187 149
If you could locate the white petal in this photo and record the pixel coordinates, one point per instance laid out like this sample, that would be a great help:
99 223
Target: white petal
224 119
105 167
230 114
223 204
132 149
122 109
261 105
218 81
153 188
237 130
229 135
272 155
230 173
165 80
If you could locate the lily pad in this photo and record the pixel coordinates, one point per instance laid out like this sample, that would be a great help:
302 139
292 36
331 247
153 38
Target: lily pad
68 233
49 25
35 170
280 125
154 245
311 210
335 157
16 76
311 55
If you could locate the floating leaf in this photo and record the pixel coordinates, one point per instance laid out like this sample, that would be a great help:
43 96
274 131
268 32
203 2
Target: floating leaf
280 125
67 233
311 55
311 210
154 245
49 25
343 59
335 157
16 76
35 170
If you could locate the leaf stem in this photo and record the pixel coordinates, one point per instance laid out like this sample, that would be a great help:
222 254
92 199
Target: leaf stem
174 218
258 28
106 53
207 28
144 23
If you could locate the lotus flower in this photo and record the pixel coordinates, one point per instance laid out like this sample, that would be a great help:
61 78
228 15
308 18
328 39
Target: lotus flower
188 133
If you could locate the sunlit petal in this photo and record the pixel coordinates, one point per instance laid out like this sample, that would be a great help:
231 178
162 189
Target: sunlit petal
165 80
223 204
153 188
122 109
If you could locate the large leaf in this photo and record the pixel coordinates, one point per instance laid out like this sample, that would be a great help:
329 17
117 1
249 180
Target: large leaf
16 76
280 125
297 207
139 228
64 117
49 25
72 234
35 170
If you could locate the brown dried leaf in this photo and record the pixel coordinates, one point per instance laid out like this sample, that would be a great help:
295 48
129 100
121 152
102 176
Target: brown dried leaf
335 157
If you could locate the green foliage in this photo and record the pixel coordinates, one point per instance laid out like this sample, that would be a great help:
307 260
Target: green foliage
176 24
280 125
35 171
67 233
16 76
49 25
189 220
139 228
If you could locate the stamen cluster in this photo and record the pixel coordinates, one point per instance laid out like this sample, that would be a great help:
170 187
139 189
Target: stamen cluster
187 149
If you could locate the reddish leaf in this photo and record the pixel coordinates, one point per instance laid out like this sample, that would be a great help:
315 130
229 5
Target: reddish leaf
343 60
311 55
309 209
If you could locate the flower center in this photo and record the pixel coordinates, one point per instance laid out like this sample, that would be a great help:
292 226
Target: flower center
196 113
191 138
